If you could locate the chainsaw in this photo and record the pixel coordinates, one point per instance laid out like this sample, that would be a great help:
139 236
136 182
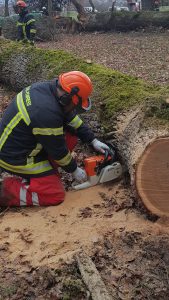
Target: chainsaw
100 169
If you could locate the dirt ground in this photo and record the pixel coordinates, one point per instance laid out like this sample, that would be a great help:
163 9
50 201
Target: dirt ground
129 246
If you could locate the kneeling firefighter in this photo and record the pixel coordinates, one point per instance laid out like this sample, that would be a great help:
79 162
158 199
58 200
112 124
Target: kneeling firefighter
35 139
26 23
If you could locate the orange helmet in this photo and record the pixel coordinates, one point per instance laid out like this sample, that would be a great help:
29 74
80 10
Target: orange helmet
78 85
21 3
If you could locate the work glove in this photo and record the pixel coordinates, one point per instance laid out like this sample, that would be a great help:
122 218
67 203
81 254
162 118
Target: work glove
79 175
99 146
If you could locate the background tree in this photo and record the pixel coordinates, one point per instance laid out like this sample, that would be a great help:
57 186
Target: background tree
147 4
50 8
92 5
78 6
6 8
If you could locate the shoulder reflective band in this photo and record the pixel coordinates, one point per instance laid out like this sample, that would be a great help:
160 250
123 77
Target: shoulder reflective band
22 109
76 122
65 160
30 21
48 131
7 131
37 168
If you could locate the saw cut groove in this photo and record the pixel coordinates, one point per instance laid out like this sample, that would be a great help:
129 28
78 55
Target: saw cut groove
152 177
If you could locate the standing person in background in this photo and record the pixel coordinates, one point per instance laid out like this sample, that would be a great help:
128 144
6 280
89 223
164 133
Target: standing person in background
26 24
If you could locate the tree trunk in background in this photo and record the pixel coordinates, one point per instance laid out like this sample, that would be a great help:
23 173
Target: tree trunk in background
49 7
92 5
147 4
6 8
113 5
80 10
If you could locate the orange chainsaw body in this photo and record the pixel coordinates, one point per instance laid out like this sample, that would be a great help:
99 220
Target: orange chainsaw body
91 164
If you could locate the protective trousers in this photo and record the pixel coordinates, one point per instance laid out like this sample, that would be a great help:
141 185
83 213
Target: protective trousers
41 191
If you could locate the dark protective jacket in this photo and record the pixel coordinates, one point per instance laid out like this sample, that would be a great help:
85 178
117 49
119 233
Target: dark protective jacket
26 27
32 129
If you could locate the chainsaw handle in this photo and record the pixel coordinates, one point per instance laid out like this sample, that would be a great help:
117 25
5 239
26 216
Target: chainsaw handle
109 152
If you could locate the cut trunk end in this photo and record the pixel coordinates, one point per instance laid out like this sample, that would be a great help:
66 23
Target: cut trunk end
152 177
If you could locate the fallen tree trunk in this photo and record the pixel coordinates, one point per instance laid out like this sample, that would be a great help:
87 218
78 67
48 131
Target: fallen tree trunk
48 27
136 113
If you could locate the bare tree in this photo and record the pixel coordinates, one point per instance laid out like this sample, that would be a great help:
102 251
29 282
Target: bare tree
80 9
92 5
49 7
113 5
6 8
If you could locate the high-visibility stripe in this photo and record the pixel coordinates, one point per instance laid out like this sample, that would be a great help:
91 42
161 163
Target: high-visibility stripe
35 199
9 128
30 21
22 196
35 151
32 30
65 160
30 160
76 122
24 30
48 131
37 168
22 109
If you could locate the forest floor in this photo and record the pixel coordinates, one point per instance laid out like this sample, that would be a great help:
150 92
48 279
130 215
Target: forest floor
141 54
39 246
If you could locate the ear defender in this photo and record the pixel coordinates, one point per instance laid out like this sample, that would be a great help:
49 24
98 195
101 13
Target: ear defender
67 97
